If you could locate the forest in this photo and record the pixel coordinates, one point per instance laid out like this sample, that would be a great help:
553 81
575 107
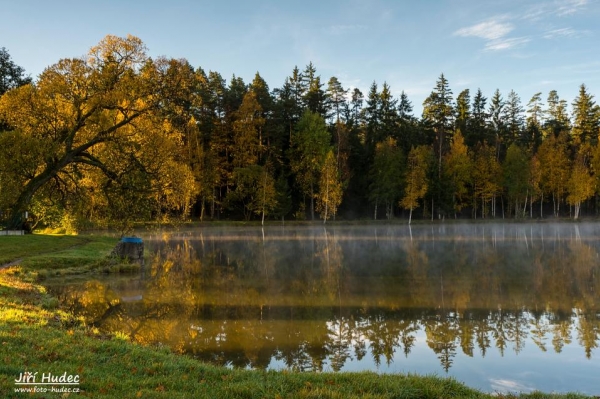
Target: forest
117 137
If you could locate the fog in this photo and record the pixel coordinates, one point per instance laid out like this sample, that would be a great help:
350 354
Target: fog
505 299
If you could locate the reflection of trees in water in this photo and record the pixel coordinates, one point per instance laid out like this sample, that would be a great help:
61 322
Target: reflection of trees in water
318 303
442 334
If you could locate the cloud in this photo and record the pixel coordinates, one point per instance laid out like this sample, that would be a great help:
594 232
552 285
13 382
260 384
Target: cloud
561 8
489 30
568 7
505 44
494 31
568 32
503 385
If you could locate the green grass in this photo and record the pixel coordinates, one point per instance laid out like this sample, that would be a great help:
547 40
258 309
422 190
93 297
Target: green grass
37 335
16 247
48 256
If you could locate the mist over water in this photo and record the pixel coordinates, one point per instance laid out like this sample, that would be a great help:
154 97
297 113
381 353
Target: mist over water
506 307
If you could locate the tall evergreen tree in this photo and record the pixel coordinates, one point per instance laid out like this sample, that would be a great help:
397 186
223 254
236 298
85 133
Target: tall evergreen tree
372 120
315 98
269 135
388 114
407 125
532 137
463 112
514 119
438 112
355 108
497 121
478 128
585 118
337 99
556 117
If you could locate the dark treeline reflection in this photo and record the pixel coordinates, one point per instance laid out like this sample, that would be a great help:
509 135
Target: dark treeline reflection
316 299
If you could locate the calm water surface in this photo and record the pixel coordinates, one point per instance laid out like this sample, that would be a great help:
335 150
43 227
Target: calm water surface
513 307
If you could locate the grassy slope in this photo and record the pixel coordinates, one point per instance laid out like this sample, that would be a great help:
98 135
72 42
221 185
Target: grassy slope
35 335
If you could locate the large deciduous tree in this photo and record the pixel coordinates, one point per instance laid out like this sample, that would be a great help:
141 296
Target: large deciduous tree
387 176
516 178
310 145
330 193
84 114
419 161
556 168
581 185
458 167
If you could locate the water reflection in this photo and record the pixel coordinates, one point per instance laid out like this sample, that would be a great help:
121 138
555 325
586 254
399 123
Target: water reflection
362 298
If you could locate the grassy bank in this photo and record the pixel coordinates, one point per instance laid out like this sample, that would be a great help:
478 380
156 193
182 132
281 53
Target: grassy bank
37 335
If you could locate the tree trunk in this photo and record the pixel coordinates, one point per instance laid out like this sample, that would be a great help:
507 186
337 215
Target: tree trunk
15 222
312 202
202 206
326 197
375 215
410 215
432 209
262 222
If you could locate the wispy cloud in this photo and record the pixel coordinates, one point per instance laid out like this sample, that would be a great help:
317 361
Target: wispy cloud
495 32
506 44
504 385
564 32
568 7
489 30
561 8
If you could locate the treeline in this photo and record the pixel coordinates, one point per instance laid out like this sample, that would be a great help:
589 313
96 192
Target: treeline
118 136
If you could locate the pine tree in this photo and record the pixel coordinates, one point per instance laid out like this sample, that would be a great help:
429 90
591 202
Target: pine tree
463 114
388 113
585 118
514 119
533 131
439 113
478 129
556 118
496 121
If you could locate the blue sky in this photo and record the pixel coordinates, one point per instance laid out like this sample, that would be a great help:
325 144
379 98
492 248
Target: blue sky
528 46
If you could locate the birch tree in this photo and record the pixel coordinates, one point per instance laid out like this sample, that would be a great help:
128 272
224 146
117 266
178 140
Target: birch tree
330 193
419 160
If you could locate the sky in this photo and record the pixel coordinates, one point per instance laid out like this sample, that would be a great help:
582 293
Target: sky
524 45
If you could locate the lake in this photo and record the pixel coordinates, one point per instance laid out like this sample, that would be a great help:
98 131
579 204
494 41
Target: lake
500 307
